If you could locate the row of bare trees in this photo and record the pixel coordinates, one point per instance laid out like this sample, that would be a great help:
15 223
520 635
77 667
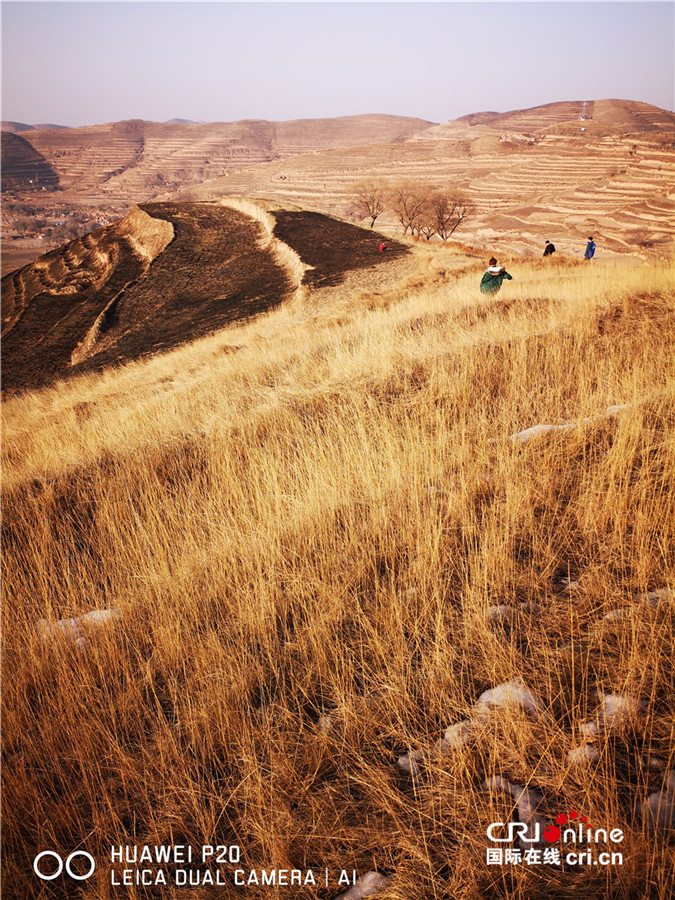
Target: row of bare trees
422 209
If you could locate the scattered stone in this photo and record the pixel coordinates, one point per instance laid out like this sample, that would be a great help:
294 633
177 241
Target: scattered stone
510 693
496 783
586 753
522 437
655 763
568 585
501 613
655 598
622 612
458 735
325 724
658 810
411 763
527 803
75 628
614 707
589 729
367 886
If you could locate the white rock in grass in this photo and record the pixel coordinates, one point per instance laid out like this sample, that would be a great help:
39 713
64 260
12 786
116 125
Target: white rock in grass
568 585
527 802
501 613
658 810
614 707
655 763
590 728
411 763
458 735
75 628
655 598
367 886
510 693
613 410
586 753
622 612
325 724
522 437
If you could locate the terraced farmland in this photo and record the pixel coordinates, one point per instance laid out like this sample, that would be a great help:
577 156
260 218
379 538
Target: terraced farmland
553 181
138 159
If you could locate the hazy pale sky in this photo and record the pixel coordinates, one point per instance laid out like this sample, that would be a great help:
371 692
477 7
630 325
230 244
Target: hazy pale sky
82 63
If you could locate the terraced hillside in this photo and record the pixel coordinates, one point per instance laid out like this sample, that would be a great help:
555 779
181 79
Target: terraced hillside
166 274
138 159
23 167
597 117
534 174
560 171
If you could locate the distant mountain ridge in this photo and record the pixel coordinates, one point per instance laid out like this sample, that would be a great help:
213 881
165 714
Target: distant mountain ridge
21 126
599 117
139 159
561 170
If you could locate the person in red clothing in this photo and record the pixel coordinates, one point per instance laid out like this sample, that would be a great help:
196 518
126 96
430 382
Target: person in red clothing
382 247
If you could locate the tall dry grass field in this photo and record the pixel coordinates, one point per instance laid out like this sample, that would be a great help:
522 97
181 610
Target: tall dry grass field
303 523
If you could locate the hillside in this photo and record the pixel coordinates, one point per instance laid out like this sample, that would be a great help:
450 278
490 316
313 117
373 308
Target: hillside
533 174
138 158
560 171
22 126
23 167
164 275
597 117
346 584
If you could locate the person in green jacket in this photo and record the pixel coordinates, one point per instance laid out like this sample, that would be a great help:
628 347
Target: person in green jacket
491 282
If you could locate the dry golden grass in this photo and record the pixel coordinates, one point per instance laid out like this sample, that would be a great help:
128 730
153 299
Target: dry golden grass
309 516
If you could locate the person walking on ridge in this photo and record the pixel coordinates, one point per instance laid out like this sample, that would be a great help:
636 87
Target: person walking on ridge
590 249
491 281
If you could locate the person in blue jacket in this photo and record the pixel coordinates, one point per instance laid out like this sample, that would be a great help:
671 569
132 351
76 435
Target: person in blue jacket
590 249
491 281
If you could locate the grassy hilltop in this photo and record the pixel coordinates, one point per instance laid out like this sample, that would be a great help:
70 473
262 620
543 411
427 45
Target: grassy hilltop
302 522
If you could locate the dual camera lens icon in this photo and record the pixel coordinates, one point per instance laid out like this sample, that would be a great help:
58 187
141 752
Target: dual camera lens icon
40 864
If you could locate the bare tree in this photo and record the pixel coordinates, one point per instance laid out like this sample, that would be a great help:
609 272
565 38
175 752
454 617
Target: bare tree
428 220
407 199
447 211
368 199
